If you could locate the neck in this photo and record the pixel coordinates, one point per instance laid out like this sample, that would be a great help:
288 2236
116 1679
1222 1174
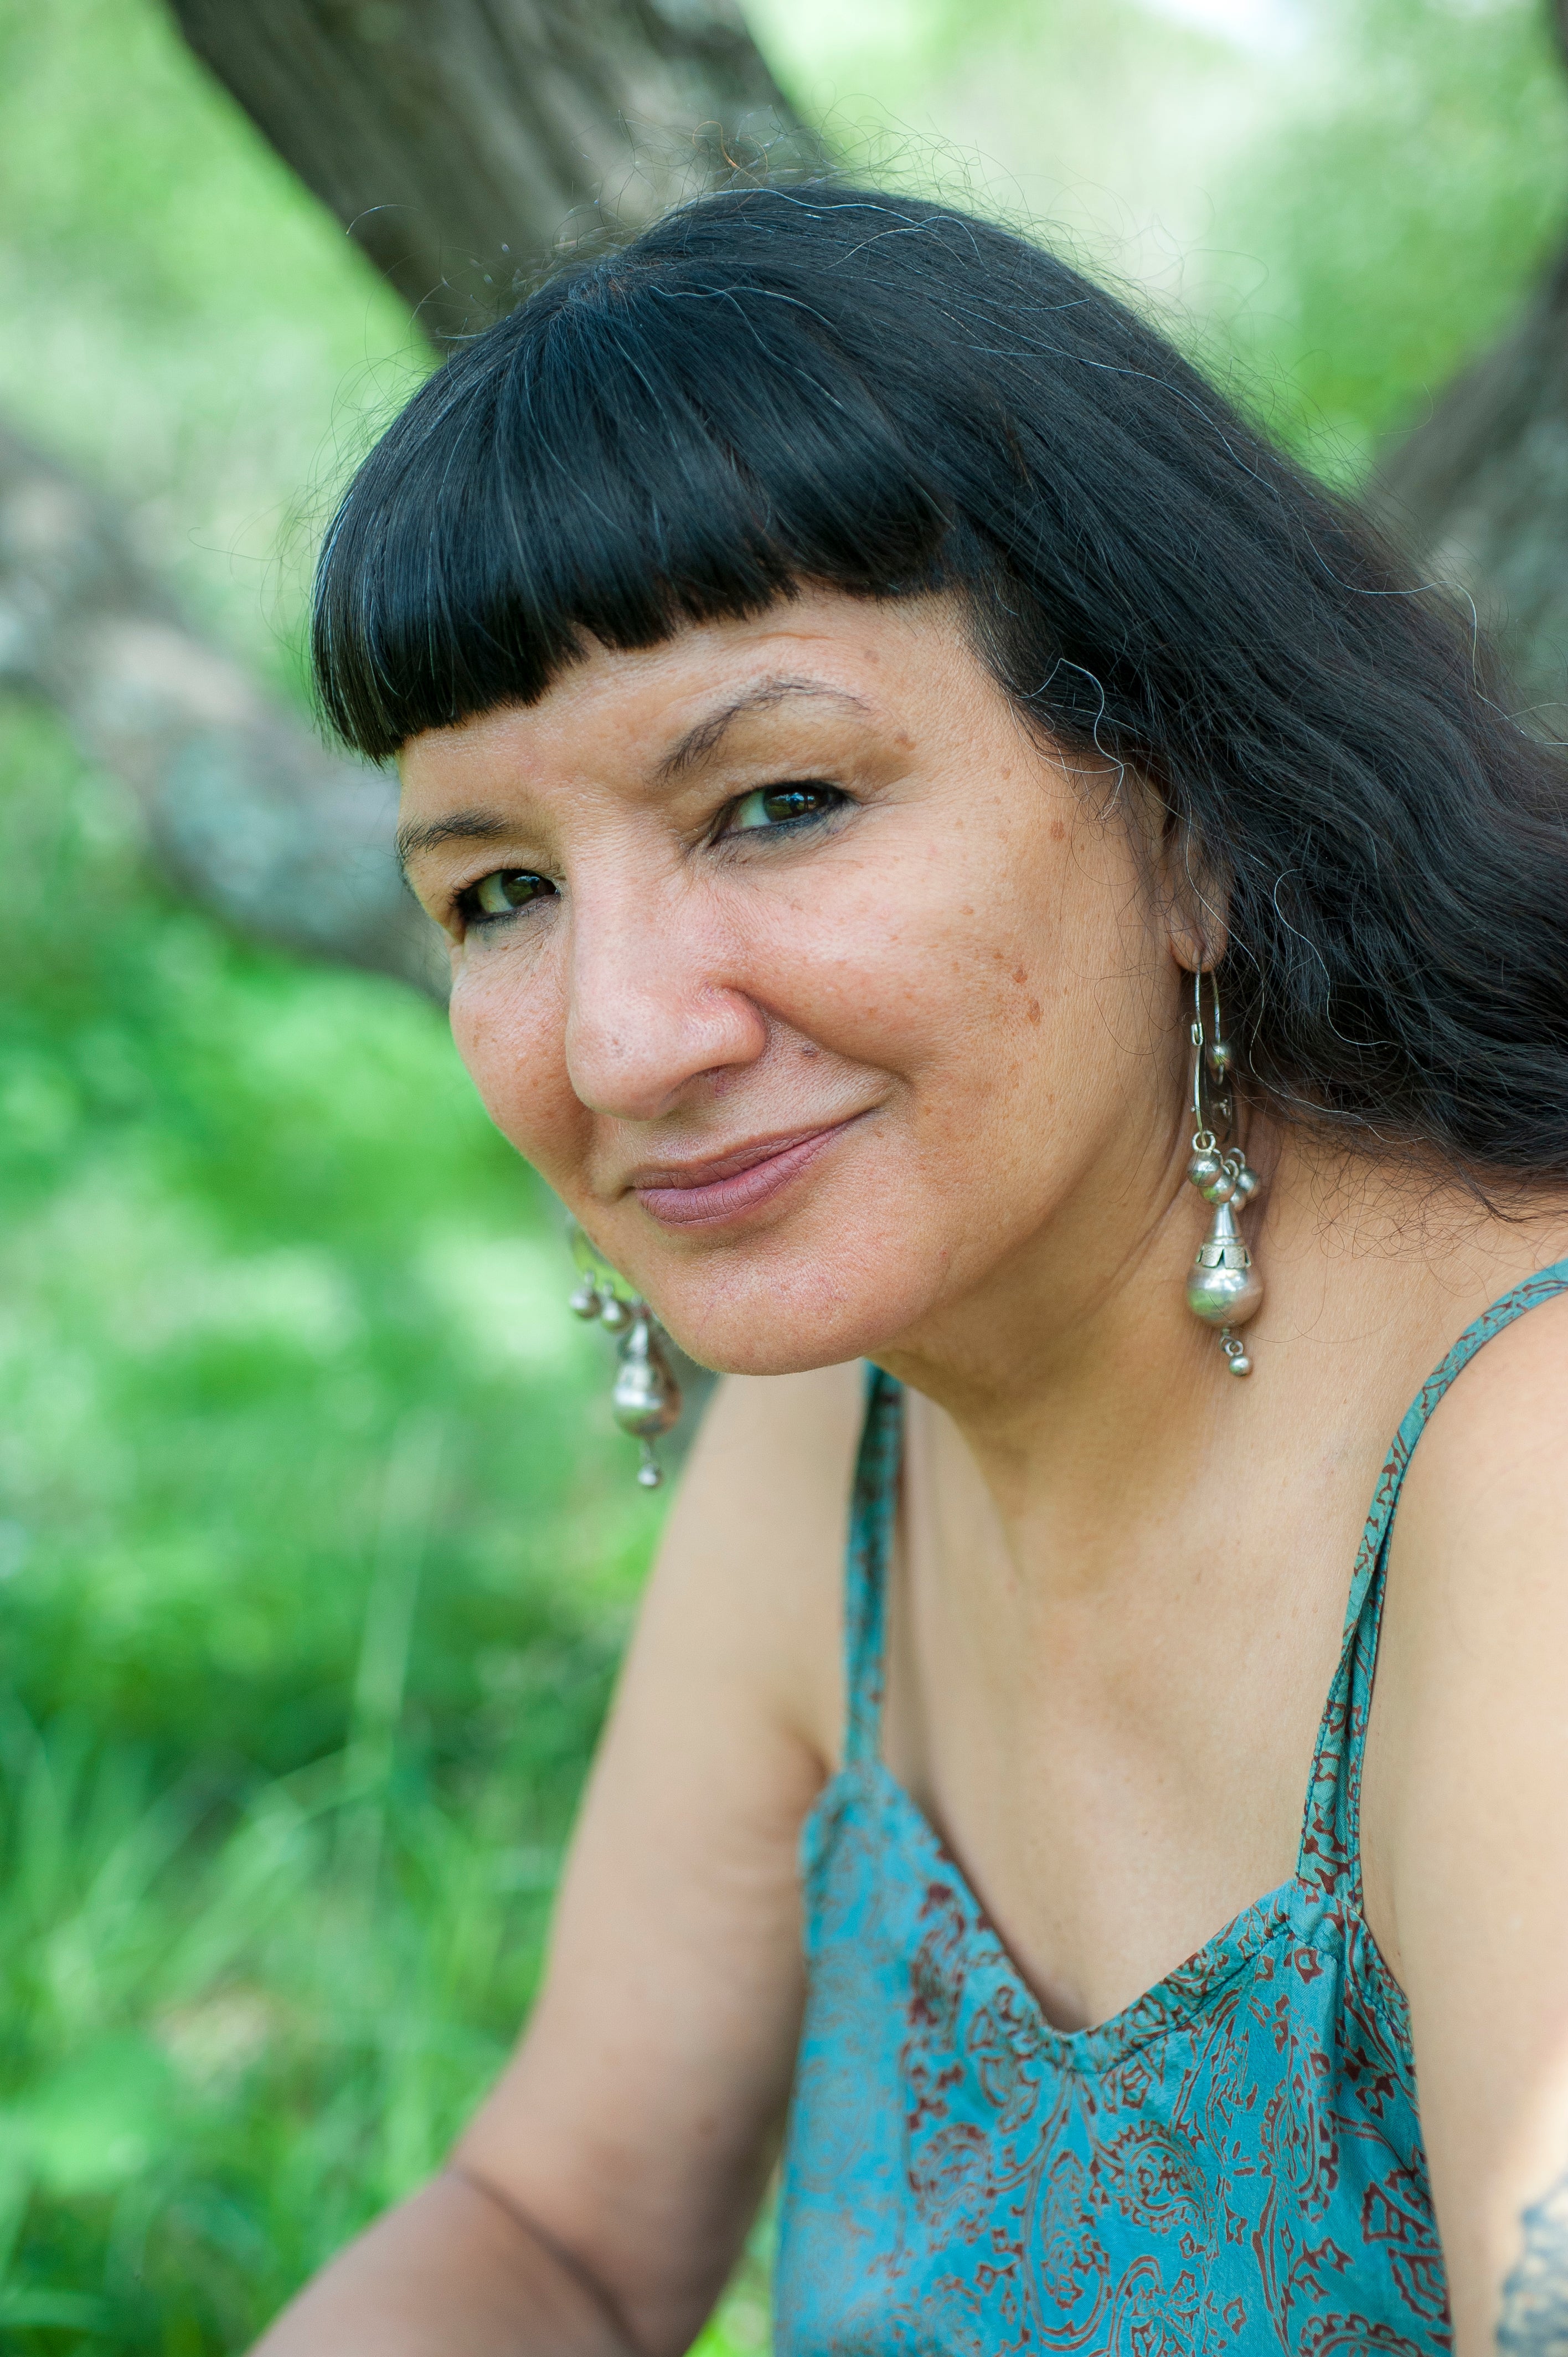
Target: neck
1101 1413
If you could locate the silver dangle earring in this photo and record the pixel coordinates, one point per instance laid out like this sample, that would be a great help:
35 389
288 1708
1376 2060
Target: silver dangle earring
645 1400
1223 1288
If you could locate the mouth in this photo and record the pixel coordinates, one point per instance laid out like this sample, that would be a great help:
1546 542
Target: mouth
723 1185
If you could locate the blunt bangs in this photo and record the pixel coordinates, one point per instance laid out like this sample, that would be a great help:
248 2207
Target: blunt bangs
648 443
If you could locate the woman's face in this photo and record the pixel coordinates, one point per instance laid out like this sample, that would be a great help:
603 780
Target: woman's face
832 1006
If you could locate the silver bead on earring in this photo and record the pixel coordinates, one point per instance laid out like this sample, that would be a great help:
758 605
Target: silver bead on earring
645 1400
1223 1287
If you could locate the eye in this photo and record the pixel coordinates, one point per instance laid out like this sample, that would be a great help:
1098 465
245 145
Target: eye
499 895
780 806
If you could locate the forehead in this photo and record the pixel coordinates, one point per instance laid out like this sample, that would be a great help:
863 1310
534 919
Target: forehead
658 710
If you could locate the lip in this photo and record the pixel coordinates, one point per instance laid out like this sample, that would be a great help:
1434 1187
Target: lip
723 1185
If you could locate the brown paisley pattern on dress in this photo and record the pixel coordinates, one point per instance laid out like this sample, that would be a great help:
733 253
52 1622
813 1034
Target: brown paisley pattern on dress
1232 2164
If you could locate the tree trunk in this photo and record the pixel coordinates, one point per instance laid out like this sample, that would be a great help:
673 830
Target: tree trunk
458 141
1479 490
453 138
245 808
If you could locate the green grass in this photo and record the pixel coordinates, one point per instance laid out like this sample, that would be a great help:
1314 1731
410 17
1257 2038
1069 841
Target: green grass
223 2054
223 2051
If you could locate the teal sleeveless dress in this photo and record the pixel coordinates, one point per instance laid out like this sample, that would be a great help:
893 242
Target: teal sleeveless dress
1234 2163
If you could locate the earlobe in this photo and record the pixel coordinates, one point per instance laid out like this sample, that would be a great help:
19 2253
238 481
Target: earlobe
1196 940
1192 896
1189 887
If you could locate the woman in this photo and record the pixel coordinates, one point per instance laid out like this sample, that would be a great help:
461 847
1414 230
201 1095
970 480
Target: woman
911 780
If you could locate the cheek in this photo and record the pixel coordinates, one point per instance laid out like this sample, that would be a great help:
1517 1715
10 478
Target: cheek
1009 982
512 1039
953 962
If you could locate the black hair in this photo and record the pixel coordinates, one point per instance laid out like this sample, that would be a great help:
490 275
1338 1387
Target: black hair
826 385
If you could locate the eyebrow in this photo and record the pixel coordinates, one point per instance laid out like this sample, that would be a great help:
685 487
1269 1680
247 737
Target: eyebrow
463 826
698 741
704 737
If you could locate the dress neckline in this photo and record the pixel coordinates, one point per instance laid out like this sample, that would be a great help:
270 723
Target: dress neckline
1326 1885
1168 2004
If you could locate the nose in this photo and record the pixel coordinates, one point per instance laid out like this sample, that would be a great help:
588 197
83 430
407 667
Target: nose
654 1002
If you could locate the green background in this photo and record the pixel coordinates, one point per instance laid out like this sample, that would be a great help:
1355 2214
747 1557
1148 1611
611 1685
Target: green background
316 1547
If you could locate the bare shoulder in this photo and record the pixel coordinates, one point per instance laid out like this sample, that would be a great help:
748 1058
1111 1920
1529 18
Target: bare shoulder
1468 1749
1495 1451
1464 1823
758 1533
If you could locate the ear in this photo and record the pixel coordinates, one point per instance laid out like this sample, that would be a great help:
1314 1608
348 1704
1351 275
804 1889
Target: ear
1192 890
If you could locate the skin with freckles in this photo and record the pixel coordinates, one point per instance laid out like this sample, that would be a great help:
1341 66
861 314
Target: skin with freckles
941 981
851 1021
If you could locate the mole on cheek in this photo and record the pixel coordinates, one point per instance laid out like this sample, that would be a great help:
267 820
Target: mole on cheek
1059 831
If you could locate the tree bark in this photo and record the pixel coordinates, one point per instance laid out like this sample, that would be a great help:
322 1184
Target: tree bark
1479 490
460 141
245 808
455 139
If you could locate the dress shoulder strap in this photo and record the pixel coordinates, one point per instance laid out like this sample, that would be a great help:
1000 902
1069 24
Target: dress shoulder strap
873 1520
1331 1827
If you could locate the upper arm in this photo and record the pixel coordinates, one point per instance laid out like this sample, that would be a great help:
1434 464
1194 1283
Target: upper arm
1467 1814
636 2123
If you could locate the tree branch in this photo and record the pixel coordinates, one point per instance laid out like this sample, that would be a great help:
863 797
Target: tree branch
454 139
245 807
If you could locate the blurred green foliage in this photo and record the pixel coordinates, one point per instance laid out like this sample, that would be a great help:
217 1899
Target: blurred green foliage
317 1549
180 318
1334 209
257 1229
1414 190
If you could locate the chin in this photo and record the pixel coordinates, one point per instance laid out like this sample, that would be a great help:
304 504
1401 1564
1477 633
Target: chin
784 1321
